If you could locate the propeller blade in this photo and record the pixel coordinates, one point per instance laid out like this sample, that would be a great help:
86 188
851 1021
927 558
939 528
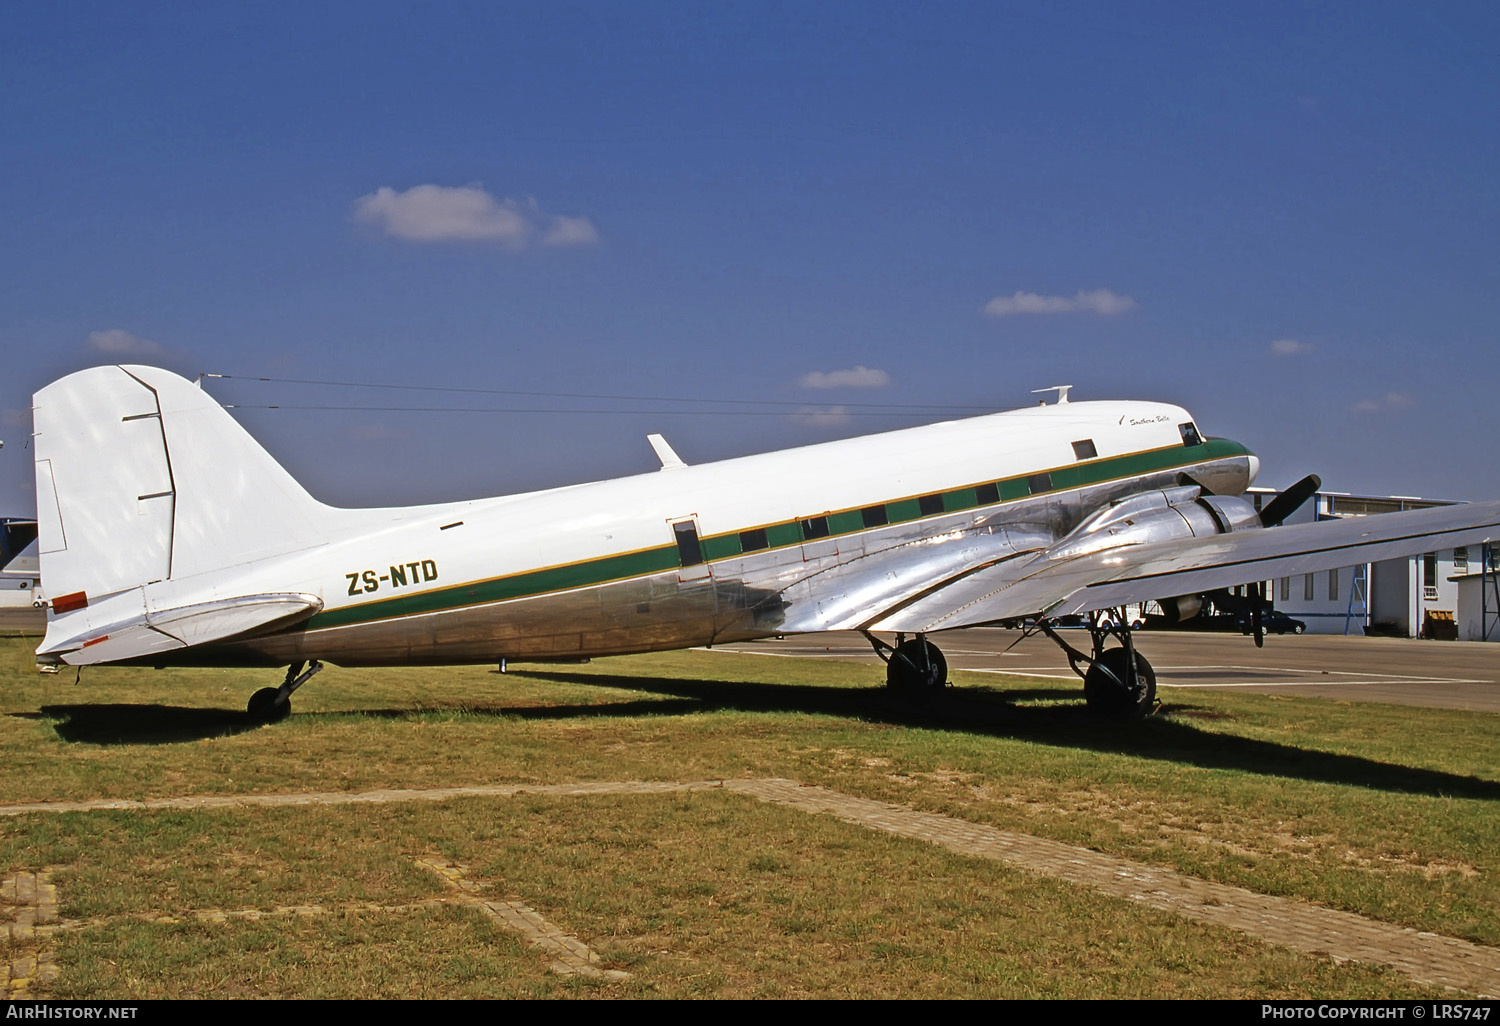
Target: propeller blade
1285 504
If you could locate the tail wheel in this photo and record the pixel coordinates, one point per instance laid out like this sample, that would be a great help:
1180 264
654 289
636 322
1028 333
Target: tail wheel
263 707
915 667
1116 693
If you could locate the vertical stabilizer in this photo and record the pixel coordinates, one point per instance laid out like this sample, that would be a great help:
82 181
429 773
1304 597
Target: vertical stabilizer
142 477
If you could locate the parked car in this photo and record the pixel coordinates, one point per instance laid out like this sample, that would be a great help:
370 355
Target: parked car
1275 622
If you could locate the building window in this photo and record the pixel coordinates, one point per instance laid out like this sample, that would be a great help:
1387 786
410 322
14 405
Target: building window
1429 576
1286 589
1084 449
1307 587
1333 585
1461 560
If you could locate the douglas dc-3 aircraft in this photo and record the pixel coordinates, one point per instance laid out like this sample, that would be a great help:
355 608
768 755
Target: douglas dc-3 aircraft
168 536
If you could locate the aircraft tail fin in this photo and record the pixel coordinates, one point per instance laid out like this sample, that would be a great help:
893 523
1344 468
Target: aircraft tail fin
142 477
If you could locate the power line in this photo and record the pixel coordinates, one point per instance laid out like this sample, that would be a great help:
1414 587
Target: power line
836 410
910 409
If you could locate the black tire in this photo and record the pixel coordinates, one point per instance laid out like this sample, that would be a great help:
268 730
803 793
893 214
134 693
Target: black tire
916 667
263 707
1107 688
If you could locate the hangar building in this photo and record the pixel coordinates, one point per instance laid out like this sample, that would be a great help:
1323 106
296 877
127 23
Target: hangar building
1448 593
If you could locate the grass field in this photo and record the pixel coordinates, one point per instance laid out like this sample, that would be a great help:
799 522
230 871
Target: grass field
1389 812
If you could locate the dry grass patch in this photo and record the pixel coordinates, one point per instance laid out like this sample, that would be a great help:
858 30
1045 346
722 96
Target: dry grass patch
696 895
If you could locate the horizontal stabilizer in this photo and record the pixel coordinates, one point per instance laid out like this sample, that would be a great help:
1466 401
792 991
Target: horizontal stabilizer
163 630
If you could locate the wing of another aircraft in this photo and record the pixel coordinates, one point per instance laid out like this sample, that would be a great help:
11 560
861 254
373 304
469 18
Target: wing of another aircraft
1156 570
18 547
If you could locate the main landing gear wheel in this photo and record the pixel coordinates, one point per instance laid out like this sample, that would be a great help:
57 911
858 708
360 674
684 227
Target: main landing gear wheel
264 708
1114 692
916 667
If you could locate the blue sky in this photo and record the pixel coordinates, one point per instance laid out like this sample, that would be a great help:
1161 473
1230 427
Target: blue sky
1282 216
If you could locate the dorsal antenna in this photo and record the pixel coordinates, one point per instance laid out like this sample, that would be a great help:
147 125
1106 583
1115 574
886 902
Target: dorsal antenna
1061 390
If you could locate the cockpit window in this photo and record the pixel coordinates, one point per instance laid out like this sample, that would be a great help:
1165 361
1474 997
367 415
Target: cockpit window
1190 434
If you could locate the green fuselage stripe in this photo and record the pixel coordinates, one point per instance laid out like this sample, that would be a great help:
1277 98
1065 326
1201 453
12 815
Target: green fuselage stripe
664 558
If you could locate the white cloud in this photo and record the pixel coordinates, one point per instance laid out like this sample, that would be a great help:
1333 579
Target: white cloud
570 231
858 376
1098 301
117 342
1290 347
1384 403
828 416
440 213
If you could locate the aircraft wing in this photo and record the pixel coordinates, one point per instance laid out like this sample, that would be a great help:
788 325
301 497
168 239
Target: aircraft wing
1146 572
18 548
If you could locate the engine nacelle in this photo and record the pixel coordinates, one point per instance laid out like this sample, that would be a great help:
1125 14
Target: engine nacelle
1183 607
1172 514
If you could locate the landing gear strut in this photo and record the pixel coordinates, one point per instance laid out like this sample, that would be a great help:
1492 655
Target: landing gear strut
912 667
272 705
1118 683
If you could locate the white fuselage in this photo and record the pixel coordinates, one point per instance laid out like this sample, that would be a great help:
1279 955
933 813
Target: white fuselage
595 569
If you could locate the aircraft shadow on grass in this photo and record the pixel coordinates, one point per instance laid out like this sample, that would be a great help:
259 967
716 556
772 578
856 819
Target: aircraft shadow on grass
1164 737
1167 738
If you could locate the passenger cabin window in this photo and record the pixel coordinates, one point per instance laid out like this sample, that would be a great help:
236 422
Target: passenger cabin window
814 527
1190 434
930 505
689 552
753 540
1039 483
1084 449
987 494
874 516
